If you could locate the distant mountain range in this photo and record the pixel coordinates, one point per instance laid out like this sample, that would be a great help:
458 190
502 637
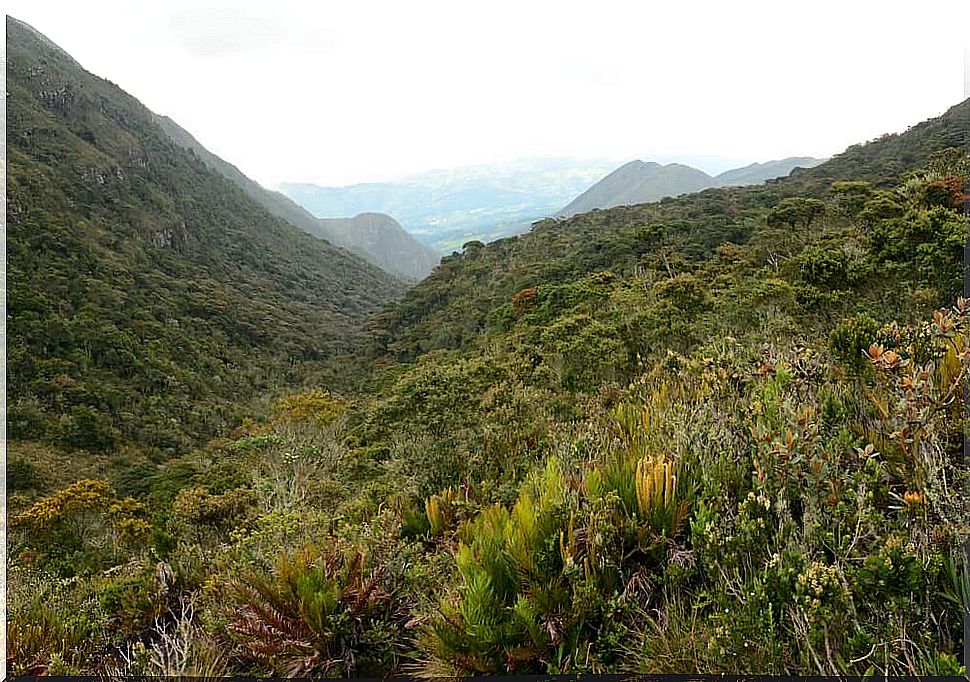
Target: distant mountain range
447 208
375 237
757 173
639 182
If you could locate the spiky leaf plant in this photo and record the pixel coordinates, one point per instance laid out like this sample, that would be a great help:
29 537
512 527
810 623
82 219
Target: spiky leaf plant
440 510
658 503
314 614
515 609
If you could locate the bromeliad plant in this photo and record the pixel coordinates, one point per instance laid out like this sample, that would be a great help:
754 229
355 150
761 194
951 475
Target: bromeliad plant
538 580
652 489
657 501
654 505
316 614
514 608
440 510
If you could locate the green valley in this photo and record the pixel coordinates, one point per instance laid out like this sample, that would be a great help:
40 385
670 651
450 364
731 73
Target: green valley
719 433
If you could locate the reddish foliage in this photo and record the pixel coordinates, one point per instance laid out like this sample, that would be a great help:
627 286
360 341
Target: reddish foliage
523 301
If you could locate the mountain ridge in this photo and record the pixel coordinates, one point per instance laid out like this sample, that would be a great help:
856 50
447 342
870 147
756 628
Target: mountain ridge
755 173
383 242
640 182
136 272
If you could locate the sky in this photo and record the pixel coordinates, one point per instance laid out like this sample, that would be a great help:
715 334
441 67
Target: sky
342 92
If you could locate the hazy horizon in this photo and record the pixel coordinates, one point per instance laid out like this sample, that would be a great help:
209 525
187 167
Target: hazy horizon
712 165
374 91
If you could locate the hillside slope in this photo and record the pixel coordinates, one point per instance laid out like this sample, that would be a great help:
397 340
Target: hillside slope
467 290
760 172
149 297
885 160
637 183
705 403
375 237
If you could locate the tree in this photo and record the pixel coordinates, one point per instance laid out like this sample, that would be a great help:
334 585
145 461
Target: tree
794 211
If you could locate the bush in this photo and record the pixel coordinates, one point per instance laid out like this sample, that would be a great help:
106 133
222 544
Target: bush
87 428
86 517
851 339
316 614
21 474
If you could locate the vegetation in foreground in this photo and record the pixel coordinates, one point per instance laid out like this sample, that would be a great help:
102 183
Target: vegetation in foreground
736 450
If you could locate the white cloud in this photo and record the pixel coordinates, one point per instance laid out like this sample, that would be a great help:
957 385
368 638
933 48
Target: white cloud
222 31
349 91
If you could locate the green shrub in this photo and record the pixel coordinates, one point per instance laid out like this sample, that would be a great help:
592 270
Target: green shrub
316 614
851 339
21 474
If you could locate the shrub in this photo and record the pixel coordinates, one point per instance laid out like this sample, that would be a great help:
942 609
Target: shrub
852 337
319 408
203 512
21 474
85 516
316 614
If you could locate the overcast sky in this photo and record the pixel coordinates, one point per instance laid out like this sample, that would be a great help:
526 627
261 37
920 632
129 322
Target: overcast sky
342 92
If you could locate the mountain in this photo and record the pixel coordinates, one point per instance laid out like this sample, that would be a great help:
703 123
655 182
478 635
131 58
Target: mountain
757 173
447 208
150 298
381 239
375 237
473 290
718 434
637 182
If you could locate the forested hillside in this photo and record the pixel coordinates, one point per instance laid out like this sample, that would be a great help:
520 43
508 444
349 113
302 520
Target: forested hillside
715 434
149 298
374 237
694 235
884 161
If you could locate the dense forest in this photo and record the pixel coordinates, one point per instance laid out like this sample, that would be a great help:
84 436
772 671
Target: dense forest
147 294
719 433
